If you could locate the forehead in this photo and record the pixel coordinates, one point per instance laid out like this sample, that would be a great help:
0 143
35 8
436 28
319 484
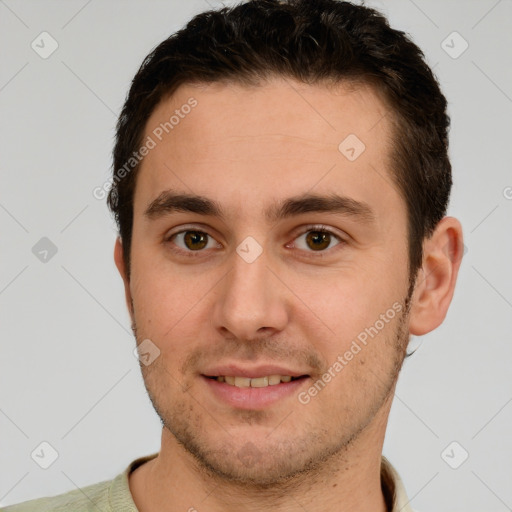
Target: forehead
278 107
223 139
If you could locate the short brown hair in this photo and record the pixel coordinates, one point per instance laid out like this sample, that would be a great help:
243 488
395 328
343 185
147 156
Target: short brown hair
320 41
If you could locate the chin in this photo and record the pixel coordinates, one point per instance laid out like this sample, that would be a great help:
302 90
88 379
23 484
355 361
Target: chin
256 461
250 467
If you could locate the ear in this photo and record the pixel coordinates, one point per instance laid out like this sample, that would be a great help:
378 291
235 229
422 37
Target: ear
435 281
119 260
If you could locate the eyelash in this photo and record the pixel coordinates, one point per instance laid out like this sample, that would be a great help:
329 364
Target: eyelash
316 228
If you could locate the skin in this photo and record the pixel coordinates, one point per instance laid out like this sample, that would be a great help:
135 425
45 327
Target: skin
247 148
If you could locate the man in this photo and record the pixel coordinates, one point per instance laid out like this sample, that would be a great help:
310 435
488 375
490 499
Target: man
280 185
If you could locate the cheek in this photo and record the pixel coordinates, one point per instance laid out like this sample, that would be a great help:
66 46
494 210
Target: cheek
357 298
168 302
364 363
362 313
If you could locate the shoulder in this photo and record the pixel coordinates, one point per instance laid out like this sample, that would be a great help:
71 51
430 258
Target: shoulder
107 496
89 498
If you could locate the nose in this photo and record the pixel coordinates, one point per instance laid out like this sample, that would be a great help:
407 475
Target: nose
252 301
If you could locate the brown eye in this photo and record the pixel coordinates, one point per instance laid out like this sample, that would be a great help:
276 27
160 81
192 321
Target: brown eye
318 240
195 240
192 241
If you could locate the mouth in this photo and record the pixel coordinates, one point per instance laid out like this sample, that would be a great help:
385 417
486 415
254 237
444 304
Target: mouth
258 382
256 390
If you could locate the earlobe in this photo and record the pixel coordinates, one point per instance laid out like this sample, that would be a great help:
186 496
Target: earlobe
119 261
435 284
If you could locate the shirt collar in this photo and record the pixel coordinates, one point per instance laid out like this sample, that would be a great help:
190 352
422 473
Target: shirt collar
393 488
391 481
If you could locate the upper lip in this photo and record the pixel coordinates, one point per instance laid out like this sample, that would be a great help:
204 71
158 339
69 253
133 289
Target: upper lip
234 370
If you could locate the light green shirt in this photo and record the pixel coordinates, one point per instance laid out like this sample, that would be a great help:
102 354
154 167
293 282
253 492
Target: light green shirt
114 495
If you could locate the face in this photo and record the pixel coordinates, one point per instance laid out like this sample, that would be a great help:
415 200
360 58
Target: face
269 244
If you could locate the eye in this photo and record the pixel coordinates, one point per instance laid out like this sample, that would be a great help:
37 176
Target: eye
318 239
192 240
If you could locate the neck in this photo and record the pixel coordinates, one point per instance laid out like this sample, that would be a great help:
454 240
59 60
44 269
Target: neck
347 481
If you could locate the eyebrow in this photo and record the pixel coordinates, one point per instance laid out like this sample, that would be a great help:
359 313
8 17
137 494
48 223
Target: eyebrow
169 201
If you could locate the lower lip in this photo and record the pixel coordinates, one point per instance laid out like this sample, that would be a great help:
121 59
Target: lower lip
253 398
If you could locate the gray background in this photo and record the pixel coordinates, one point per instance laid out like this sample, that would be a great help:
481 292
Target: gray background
68 375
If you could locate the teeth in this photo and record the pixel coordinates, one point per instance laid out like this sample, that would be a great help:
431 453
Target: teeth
259 382
274 379
242 382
